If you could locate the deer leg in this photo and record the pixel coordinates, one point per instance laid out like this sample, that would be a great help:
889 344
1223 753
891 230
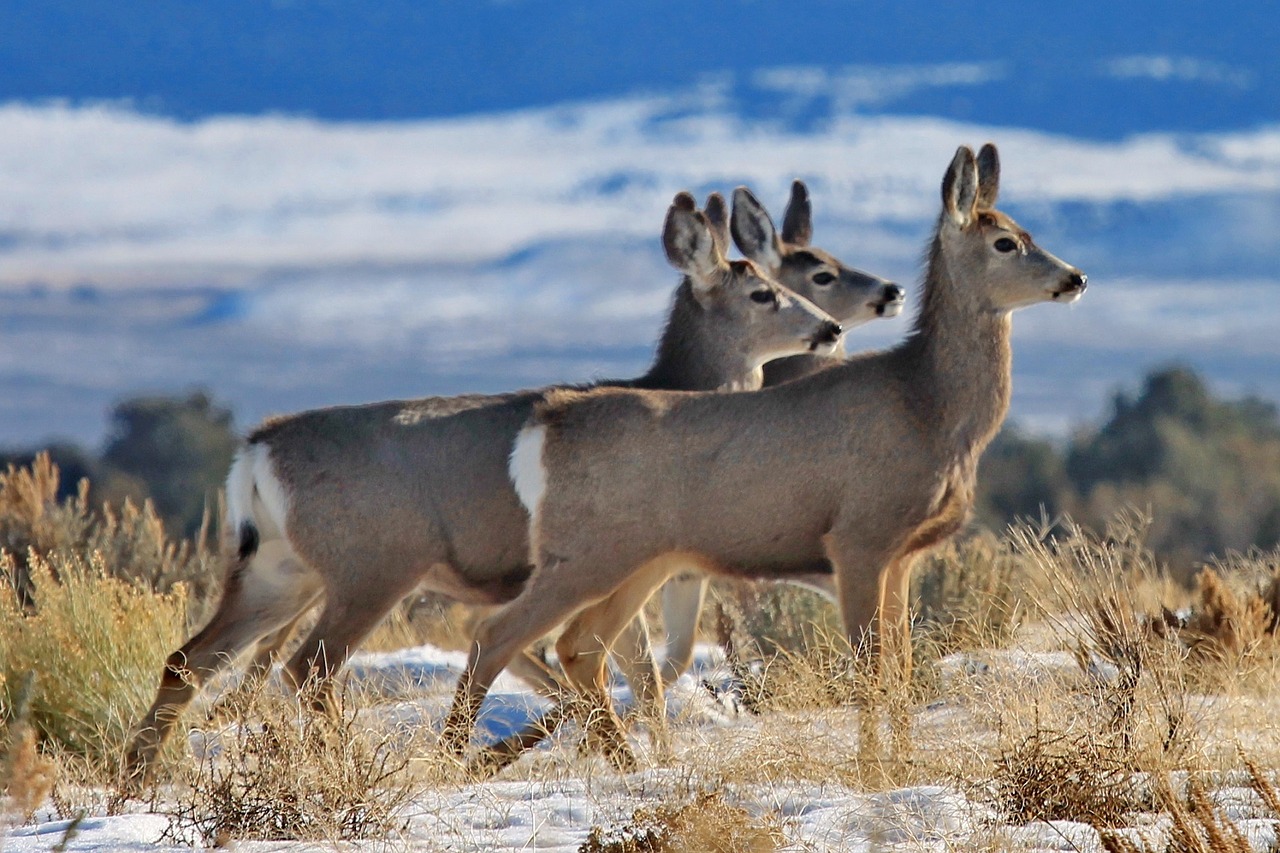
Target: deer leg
859 571
583 648
262 593
682 599
255 675
499 638
633 653
533 672
894 619
346 620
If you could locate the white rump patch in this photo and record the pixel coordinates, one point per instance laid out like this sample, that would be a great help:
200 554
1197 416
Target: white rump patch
255 494
526 470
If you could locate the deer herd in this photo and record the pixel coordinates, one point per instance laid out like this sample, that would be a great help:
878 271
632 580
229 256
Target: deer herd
754 447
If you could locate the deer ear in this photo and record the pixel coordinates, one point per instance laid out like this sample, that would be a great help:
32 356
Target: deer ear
717 212
753 231
797 224
960 187
988 176
689 244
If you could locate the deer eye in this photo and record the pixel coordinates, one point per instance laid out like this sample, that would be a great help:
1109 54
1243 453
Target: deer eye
764 297
1005 244
823 278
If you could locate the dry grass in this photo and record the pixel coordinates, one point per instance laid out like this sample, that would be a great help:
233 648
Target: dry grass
707 824
130 540
285 774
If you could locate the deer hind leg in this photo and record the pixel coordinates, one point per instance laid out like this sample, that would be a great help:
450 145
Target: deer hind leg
255 675
348 617
262 593
682 599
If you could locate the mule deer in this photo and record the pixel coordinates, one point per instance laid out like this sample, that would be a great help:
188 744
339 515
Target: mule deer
360 505
862 466
853 298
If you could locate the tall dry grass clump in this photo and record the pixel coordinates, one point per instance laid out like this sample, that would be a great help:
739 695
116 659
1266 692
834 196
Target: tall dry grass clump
282 773
706 824
94 644
90 605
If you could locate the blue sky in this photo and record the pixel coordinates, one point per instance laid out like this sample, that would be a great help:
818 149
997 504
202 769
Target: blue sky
304 203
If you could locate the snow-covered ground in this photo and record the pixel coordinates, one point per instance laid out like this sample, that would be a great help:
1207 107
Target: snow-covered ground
554 806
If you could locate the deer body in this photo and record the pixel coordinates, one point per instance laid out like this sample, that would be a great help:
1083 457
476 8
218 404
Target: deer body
360 505
864 465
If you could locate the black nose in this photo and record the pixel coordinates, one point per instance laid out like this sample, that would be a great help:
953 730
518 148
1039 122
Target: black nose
894 293
829 333
1079 281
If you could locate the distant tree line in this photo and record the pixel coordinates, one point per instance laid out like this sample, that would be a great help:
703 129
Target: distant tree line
174 451
1206 470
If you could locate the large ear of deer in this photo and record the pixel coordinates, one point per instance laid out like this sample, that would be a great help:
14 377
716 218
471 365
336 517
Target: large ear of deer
753 230
717 213
988 176
797 224
690 245
960 188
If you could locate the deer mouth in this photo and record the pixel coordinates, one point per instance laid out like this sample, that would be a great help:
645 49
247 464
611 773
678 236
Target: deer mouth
892 308
826 340
891 302
1071 290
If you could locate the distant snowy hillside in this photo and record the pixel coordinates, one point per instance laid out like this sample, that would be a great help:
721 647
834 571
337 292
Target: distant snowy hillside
291 262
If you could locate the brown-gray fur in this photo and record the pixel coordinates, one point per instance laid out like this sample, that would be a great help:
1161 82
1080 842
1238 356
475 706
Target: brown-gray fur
865 464
389 497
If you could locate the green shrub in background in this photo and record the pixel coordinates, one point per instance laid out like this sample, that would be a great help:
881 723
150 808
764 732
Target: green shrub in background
91 604
96 645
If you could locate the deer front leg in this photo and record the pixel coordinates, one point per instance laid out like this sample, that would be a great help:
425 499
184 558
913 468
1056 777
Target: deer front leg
583 649
543 605
894 620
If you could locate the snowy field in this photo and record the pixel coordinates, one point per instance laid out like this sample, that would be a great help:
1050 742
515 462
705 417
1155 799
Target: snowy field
552 798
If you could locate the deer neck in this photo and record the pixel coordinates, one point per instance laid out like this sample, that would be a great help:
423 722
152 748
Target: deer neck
693 354
799 366
962 360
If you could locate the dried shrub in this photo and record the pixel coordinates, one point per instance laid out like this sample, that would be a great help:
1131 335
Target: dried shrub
773 617
1106 598
707 824
286 773
95 644
968 594
130 540
1054 776
1197 825
1233 628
